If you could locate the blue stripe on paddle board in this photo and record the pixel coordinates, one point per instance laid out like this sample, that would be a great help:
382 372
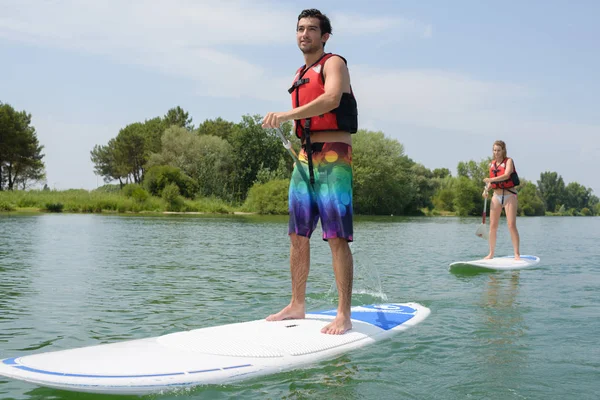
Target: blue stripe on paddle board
384 316
12 362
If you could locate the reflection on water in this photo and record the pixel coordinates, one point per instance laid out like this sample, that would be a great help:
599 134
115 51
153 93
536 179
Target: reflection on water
503 323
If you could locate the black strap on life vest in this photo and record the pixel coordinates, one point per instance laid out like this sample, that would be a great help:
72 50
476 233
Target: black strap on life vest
299 82
308 149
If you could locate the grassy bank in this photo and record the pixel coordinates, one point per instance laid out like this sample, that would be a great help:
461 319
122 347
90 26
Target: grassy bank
83 201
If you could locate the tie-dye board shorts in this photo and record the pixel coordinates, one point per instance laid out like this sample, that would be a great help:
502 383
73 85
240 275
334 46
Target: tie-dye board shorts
331 196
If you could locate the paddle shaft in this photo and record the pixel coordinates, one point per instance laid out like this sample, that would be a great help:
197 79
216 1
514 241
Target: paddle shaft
484 211
288 147
484 205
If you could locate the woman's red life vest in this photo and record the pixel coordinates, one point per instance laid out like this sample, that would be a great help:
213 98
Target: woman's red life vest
499 170
309 83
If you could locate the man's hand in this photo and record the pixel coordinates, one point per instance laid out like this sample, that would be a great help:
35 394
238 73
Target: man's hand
274 119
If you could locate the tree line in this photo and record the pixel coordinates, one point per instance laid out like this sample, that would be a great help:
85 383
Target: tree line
242 163
224 159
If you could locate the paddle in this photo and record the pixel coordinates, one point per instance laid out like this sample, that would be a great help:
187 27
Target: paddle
482 230
288 146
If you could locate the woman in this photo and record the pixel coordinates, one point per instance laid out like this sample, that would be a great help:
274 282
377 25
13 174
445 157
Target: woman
503 179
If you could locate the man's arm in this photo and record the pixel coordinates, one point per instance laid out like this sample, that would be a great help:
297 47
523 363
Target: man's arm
337 78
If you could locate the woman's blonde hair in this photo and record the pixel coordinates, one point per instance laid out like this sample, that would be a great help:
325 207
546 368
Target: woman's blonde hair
502 146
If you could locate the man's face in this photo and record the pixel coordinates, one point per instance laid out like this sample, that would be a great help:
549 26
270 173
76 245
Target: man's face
308 36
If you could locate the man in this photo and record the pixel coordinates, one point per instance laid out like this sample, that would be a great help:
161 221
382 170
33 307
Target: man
325 115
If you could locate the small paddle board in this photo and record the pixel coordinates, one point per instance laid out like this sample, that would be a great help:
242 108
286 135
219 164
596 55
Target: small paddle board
499 263
214 355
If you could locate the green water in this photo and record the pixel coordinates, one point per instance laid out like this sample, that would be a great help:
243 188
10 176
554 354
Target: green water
76 280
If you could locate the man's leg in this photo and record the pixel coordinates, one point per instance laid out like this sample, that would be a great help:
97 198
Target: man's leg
343 269
299 268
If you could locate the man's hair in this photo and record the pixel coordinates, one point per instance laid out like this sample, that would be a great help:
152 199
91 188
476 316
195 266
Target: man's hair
325 24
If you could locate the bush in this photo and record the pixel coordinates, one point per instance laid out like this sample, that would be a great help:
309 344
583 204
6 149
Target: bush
268 198
5 206
158 177
444 200
170 195
586 211
54 207
136 192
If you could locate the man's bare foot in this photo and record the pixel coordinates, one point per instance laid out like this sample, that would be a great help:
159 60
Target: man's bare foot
517 257
338 326
289 312
488 257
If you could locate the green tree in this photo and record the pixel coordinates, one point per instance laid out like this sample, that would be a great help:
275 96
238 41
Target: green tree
152 131
424 185
131 151
107 164
20 151
124 157
179 117
216 127
441 173
135 143
207 159
593 203
530 202
443 198
382 177
552 190
253 148
577 196
476 171
467 197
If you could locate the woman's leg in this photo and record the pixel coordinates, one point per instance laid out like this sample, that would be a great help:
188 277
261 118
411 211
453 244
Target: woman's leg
510 207
495 210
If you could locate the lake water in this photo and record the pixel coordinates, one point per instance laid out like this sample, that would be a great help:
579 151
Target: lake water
76 280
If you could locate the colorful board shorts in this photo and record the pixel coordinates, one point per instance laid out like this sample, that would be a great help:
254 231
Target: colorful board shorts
330 198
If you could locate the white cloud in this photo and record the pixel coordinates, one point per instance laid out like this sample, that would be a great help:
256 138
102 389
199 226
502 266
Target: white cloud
357 24
182 38
435 99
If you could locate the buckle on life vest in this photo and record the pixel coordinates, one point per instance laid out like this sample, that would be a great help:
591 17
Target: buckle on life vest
299 82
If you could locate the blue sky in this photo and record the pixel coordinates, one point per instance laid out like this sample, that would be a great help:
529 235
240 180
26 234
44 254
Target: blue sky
444 78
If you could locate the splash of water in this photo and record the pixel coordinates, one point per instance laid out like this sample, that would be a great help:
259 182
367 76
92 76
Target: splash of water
366 280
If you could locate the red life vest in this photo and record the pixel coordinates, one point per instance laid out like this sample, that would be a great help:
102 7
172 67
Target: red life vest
499 170
309 83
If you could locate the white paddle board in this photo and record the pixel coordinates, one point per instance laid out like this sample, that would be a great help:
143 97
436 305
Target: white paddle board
214 355
499 263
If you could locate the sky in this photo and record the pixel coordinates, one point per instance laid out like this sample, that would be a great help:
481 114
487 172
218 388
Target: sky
445 79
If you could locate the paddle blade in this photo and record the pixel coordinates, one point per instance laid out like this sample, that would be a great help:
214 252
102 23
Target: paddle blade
482 232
